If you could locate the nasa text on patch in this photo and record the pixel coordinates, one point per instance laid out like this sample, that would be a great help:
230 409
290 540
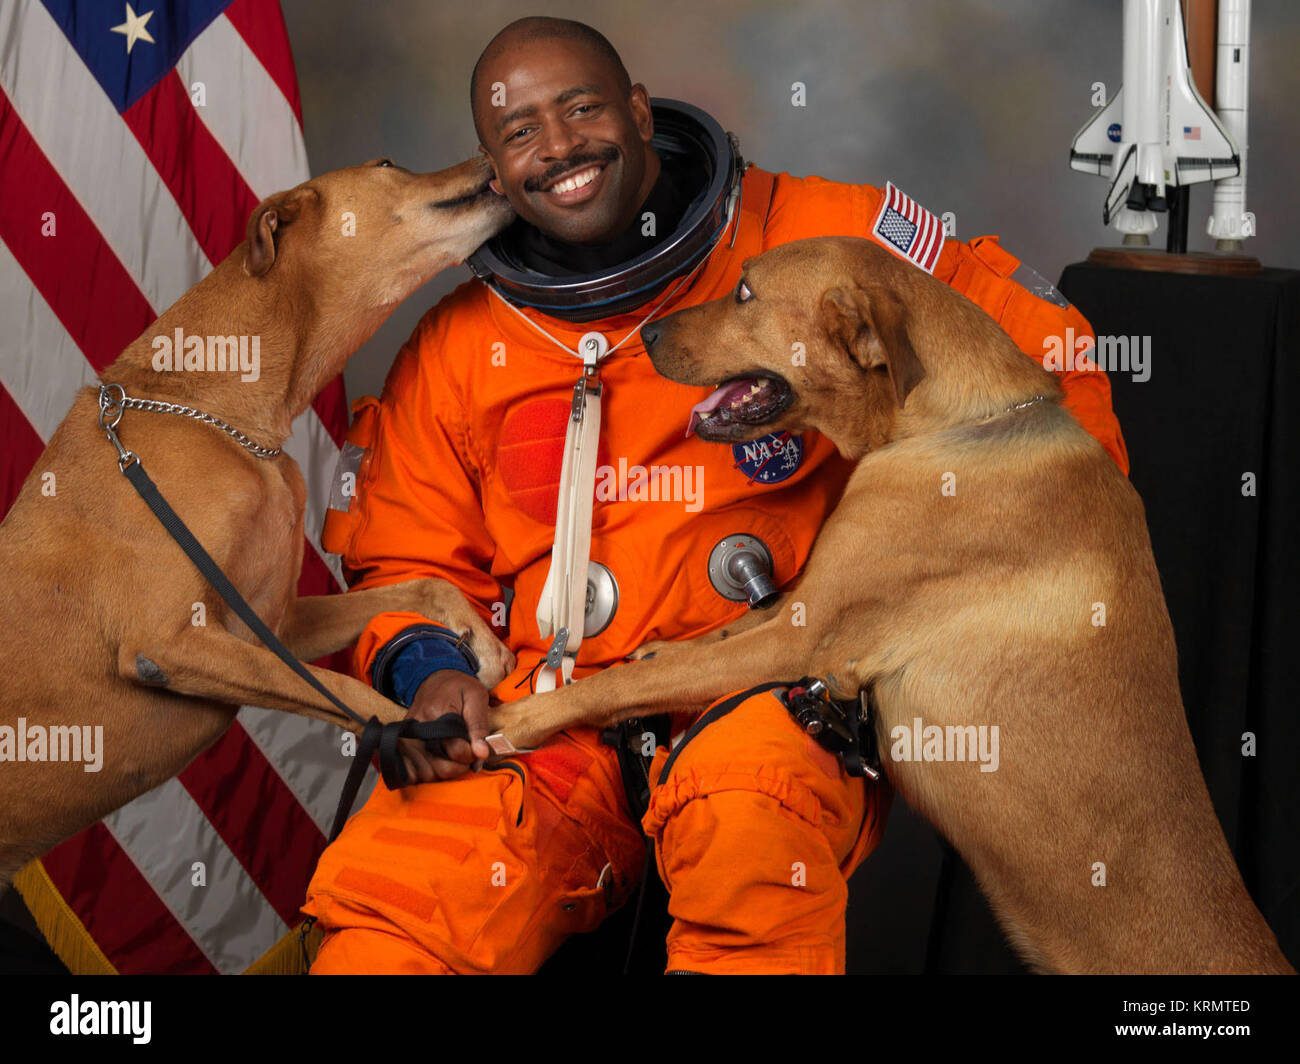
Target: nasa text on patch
769 459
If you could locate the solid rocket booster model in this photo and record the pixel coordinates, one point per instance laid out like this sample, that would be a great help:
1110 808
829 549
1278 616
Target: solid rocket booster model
1157 131
1231 222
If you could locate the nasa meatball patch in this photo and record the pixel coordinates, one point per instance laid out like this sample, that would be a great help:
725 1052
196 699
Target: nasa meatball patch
769 459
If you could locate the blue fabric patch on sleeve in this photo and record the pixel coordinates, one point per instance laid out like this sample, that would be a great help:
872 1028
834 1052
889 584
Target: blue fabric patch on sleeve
419 660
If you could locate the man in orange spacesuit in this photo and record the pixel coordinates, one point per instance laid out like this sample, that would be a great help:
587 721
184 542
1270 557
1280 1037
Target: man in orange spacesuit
627 210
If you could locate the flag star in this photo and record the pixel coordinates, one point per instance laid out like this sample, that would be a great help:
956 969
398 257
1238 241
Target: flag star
133 28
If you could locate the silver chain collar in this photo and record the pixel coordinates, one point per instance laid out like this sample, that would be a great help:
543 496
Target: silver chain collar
113 400
1017 406
1027 402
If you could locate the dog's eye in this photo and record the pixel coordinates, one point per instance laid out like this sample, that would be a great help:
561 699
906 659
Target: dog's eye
743 294
384 162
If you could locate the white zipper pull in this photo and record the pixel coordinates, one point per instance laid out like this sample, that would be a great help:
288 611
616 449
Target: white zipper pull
592 348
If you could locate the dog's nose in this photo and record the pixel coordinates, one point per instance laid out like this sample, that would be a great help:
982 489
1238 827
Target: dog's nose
650 335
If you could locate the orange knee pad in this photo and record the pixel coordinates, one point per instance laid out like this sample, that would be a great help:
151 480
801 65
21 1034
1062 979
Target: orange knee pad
489 872
757 829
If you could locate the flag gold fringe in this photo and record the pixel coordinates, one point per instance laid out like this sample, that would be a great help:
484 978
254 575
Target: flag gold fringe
76 948
285 957
63 930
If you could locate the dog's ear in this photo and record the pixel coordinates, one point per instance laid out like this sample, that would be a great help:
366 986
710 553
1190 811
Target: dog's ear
873 331
266 222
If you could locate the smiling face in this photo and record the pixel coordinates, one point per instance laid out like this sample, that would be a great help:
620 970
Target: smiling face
814 336
570 149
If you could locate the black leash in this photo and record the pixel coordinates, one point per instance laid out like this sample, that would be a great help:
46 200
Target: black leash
375 736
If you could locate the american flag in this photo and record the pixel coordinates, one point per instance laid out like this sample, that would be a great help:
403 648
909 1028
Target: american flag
908 229
135 139
1191 132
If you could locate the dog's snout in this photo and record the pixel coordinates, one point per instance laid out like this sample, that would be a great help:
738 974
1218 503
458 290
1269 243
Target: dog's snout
650 335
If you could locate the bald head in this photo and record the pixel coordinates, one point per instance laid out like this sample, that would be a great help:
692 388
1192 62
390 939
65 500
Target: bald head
533 29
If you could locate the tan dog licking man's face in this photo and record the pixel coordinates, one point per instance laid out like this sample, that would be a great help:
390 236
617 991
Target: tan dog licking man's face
404 227
815 336
353 243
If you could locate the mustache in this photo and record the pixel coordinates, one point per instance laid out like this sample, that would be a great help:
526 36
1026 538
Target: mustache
605 155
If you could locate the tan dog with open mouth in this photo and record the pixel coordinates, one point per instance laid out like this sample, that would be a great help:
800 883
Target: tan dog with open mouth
940 601
99 600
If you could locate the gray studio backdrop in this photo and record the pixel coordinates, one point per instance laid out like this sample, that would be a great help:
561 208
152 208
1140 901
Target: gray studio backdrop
967 105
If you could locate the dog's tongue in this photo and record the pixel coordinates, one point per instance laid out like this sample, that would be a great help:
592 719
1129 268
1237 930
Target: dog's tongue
730 391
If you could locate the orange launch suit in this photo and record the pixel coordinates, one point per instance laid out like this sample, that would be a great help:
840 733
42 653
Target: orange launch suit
756 827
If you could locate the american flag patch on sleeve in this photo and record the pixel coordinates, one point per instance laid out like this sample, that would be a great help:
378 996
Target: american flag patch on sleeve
908 229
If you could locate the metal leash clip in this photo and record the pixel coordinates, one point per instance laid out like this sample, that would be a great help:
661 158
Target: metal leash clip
110 413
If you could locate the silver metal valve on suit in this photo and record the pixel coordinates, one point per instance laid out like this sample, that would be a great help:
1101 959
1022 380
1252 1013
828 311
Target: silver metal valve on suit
740 569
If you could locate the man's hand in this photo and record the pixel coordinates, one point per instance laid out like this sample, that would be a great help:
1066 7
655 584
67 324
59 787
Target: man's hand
448 691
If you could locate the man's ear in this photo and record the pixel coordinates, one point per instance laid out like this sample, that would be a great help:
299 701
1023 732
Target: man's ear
494 182
872 330
638 102
267 221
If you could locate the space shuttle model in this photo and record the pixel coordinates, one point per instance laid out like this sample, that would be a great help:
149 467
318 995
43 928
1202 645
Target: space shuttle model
1157 132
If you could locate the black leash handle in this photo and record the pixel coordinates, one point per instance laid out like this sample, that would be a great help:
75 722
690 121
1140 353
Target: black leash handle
383 738
374 735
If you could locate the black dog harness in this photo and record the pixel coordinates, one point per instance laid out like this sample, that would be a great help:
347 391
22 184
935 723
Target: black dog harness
845 728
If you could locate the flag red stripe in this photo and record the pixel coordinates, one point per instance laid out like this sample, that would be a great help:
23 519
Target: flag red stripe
927 237
22 447
933 257
331 406
315 578
258 817
262 27
77 273
128 921
210 191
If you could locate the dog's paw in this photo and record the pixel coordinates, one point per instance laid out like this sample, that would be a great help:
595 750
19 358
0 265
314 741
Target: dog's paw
495 661
655 649
442 601
524 725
